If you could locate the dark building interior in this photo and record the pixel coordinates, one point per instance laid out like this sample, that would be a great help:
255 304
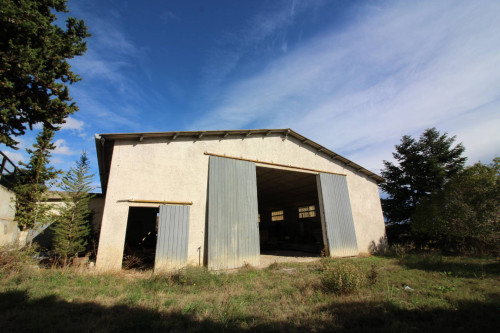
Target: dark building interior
288 213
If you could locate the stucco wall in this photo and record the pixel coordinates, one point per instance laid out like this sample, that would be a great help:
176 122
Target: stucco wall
9 232
160 169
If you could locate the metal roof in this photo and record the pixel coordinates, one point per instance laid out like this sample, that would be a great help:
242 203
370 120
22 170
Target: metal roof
102 152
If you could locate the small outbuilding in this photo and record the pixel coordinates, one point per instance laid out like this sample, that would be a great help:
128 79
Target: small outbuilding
223 198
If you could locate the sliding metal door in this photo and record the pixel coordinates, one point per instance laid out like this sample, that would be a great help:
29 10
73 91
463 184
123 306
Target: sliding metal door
172 241
336 215
233 231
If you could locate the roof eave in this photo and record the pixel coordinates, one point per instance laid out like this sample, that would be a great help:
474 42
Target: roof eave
224 133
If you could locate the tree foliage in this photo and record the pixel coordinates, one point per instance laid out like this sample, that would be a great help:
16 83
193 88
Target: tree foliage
34 71
465 215
423 168
73 223
33 181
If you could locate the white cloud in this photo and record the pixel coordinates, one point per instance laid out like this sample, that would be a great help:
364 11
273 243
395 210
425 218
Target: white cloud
75 126
397 69
62 148
15 157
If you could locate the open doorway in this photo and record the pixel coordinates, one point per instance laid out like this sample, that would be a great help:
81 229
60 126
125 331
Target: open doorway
140 239
289 218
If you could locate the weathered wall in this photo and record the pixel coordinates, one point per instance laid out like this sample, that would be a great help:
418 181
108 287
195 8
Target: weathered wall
158 169
96 205
9 232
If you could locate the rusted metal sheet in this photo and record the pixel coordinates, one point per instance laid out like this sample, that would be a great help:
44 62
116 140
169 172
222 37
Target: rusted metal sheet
336 216
233 232
172 240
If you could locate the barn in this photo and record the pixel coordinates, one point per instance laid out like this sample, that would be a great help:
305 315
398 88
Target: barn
223 198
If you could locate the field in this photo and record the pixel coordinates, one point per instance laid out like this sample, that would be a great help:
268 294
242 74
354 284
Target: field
409 293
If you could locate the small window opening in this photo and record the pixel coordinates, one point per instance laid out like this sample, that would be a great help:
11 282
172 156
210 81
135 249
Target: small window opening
308 211
278 215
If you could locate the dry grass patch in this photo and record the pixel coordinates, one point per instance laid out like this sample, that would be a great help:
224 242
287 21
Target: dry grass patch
283 297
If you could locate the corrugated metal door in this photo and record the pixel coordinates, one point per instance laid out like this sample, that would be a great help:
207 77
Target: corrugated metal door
172 240
233 231
336 215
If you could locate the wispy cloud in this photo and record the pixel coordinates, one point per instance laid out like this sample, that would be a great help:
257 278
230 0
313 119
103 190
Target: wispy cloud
396 69
15 157
62 148
168 16
112 93
255 42
73 124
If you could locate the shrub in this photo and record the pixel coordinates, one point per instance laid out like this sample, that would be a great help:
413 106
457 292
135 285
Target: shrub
14 259
341 277
463 217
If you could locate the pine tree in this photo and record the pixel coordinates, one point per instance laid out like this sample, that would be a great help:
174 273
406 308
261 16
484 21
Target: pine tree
423 168
73 224
32 184
34 68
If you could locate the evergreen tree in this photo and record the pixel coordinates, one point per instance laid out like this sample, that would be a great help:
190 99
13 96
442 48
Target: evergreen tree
32 184
73 224
465 215
34 71
423 167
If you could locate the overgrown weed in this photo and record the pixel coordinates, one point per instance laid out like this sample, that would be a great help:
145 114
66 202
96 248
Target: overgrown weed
341 277
16 260
372 275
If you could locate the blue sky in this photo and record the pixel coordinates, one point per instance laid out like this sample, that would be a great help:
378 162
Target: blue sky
353 76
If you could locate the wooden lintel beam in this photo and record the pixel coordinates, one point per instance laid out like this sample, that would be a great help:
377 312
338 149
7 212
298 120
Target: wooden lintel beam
162 202
275 164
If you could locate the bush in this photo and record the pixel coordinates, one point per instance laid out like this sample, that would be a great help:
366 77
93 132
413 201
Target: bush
463 217
341 277
14 259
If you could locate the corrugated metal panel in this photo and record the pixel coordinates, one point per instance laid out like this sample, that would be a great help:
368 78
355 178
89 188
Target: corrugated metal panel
233 231
172 240
336 215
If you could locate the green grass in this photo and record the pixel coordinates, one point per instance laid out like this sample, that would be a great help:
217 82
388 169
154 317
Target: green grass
405 294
